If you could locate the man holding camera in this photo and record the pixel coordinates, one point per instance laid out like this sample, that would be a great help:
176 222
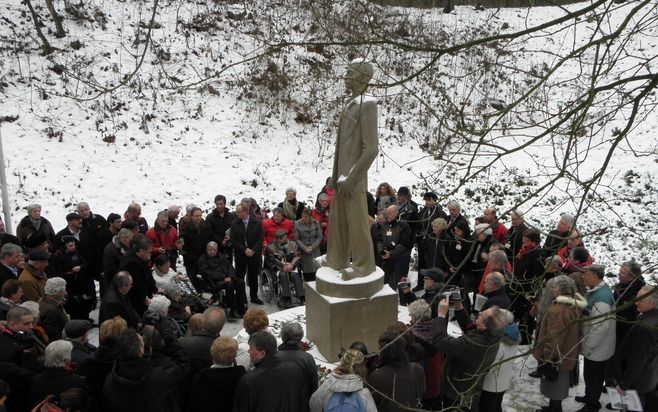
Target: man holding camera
394 243
431 281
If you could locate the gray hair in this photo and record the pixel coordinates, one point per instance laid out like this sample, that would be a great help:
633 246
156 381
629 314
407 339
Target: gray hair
160 305
498 256
58 354
124 233
497 279
82 205
8 249
122 279
651 292
54 286
554 261
419 309
292 332
633 267
189 207
32 207
517 213
568 219
291 189
496 322
32 307
453 204
162 214
484 228
212 244
439 223
173 208
565 285
323 196
172 289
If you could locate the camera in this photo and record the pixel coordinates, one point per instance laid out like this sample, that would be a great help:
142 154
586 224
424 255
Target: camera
387 248
404 285
453 293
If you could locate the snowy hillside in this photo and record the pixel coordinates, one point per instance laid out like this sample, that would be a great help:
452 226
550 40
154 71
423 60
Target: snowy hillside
174 102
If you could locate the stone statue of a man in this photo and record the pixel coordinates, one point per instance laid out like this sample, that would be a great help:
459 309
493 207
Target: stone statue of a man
356 149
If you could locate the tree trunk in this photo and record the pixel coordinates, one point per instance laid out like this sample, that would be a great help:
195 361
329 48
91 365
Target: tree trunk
59 28
46 47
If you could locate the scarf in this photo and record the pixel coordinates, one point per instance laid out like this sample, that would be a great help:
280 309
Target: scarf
290 210
525 250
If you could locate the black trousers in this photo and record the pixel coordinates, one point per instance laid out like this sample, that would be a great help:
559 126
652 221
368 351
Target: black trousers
594 375
236 296
249 266
491 401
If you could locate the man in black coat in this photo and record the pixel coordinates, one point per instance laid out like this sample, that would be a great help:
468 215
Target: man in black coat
135 385
112 254
72 229
18 356
394 243
494 291
274 385
197 347
407 208
10 256
94 236
134 213
424 232
136 262
469 356
247 241
7 237
454 216
115 302
630 282
557 238
196 235
290 351
219 222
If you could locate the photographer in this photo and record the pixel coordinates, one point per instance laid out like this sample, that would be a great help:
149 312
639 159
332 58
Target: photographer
394 243
432 283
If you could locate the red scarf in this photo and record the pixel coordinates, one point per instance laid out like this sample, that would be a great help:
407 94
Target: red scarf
524 250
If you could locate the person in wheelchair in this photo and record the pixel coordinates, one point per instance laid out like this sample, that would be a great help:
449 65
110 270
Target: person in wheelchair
218 274
283 256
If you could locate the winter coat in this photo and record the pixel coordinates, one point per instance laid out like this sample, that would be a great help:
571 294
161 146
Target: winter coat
53 381
97 370
624 293
214 388
273 386
270 226
514 239
18 362
218 226
112 255
216 268
424 224
94 236
322 217
114 304
196 240
599 335
52 317
559 332
26 229
292 353
6 274
498 298
135 386
458 252
292 210
499 378
163 279
341 383
251 238
450 229
467 357
435 249
528 270
408 212
636 363
405 384
32 283
143 282
308 234
498 232
555 240
382 202
395 237
162 238
197 350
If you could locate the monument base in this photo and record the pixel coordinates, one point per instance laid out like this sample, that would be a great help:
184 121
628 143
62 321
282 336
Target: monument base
333 324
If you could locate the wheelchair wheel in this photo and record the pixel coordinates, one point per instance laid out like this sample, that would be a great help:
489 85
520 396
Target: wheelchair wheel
267 286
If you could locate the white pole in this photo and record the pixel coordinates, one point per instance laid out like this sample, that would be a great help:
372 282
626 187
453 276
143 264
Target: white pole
5 191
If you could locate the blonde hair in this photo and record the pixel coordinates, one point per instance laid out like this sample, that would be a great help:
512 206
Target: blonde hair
352 363
224 350
112 327
194 324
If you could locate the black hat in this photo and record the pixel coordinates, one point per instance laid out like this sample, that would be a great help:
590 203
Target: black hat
76 328
404 191
435 274
72 216
36 239
280 233
430 195
112 217
38 254
67 239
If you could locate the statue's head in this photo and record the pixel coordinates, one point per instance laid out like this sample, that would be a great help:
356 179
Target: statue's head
358 74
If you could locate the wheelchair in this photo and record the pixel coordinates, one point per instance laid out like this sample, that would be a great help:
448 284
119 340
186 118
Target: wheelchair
269 287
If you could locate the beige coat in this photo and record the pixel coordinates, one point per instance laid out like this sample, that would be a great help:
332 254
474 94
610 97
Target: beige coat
32 284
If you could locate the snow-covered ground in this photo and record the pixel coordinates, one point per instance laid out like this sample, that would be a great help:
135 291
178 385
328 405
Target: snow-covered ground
193 121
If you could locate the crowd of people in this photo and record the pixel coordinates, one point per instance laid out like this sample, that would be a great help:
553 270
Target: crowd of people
160 346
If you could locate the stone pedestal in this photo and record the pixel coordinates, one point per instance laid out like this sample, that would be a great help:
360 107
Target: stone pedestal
333 323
